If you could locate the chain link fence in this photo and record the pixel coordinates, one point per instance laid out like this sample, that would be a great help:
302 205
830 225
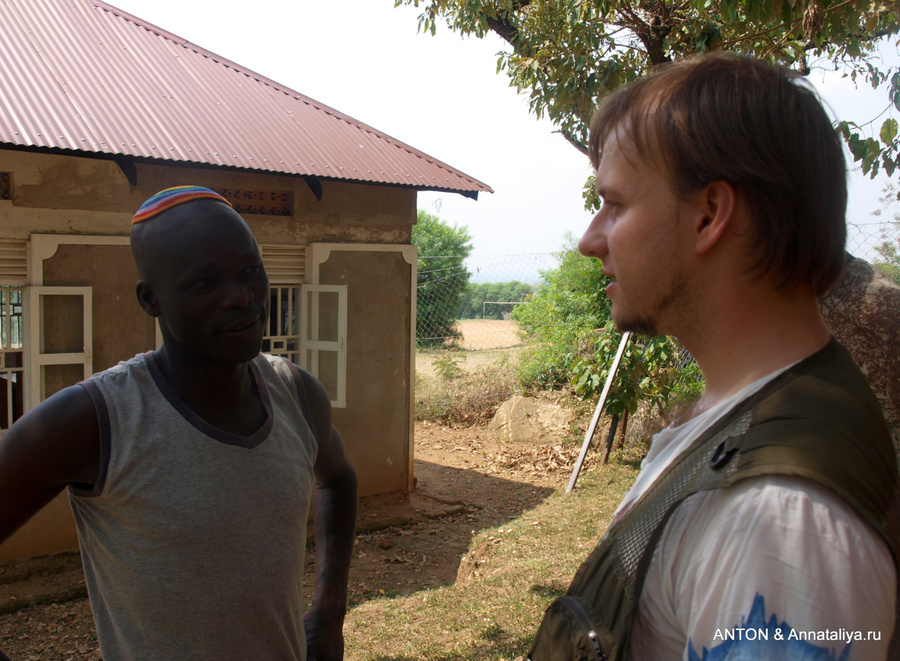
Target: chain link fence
478 299
864 239
470 306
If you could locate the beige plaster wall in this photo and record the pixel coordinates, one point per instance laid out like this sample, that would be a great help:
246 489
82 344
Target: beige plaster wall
121 327
51 530
375 424
66 194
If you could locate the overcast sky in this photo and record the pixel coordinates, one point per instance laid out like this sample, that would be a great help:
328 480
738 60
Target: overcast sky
442 96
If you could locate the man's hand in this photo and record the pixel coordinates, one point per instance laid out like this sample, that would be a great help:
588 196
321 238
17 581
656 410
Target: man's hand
324 637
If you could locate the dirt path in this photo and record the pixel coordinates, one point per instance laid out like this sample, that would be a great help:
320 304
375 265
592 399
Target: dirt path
466 481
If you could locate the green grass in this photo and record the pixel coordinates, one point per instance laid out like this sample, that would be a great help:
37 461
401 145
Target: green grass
517 569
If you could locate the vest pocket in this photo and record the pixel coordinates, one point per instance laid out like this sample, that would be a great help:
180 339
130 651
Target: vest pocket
568 633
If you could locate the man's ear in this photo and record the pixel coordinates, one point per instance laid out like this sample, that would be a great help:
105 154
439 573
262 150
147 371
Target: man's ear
146 298
716 205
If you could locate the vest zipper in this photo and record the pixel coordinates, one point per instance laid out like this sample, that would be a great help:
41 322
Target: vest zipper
586 625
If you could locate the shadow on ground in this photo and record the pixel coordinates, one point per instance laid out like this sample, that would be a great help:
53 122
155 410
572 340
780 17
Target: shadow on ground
408 544
405 543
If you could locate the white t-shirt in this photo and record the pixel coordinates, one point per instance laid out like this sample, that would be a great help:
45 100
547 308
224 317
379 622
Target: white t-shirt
774 568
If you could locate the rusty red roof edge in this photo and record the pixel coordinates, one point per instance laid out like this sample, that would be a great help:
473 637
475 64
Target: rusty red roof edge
278 86
74 88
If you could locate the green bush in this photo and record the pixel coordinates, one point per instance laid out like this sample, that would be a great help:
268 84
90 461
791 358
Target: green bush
447 366
888 250
568 305
656 370
889 261
545 365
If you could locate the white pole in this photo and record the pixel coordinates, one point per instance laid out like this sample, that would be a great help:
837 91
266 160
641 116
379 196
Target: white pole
593 426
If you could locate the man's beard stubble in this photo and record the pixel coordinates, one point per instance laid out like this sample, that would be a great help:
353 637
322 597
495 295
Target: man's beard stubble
672 299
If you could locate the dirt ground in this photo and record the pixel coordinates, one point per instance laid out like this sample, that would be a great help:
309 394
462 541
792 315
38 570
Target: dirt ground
466 481
488 333
483 342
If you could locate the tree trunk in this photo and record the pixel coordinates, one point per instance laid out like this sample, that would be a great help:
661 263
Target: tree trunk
624 430
610 437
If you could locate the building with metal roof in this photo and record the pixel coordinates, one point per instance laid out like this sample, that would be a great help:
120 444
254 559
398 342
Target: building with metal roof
99 110
85 76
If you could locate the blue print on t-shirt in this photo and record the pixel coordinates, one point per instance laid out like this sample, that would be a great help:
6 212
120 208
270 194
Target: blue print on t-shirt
757 639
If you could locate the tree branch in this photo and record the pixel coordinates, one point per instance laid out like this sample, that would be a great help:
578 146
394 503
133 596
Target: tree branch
875 36
575 142
786 25
504 27
652 36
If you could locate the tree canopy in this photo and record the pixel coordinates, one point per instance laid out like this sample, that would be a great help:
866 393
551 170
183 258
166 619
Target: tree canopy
565 54
442 278
493 300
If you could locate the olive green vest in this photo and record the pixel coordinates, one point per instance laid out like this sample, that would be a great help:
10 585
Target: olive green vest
818 420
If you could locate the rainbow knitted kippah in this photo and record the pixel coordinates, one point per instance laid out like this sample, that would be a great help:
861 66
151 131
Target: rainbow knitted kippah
172 197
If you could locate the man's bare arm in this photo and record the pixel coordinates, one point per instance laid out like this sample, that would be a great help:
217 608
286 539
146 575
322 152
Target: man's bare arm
54 445
334 516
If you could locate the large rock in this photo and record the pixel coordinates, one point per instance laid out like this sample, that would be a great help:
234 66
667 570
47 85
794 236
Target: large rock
531 420
862 311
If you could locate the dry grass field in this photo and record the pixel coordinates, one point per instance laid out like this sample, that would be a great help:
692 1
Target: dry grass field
483 342
488 333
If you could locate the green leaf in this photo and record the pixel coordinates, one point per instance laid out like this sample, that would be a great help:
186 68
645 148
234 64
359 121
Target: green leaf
871 152
845 130
894 91
888 131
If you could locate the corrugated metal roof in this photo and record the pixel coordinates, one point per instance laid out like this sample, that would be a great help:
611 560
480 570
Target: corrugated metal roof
83 75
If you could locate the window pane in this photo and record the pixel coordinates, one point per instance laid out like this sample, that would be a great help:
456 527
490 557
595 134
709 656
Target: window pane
12 375
12 397
10 318
63 330
322 324
282 338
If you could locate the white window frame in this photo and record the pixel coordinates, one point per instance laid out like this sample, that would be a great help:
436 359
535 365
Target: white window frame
285 265
310 344
9 348
35 357
41 247
278 344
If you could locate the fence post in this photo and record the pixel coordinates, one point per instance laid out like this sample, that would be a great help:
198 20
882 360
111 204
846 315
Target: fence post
593 426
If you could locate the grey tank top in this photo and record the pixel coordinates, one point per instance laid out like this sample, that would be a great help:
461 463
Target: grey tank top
193 540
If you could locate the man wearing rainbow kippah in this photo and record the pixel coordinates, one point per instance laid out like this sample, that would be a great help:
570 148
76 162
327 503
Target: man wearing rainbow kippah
191 469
